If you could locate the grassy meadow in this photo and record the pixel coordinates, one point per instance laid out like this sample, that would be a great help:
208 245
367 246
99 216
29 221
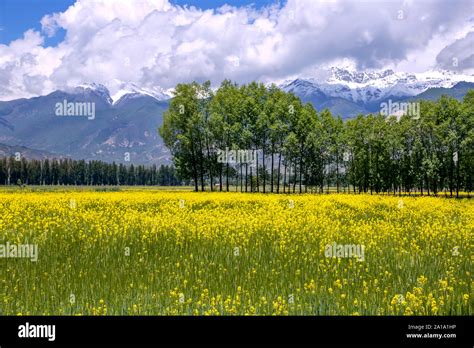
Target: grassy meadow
155 252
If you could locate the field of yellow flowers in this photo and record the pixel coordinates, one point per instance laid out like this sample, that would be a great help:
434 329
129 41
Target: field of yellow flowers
183 253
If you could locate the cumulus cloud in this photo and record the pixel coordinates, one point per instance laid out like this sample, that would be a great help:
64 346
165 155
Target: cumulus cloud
459 55
156 43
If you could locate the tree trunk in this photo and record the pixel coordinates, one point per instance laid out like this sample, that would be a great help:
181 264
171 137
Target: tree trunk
271 173
227 177
451 174
241 178
256 173
210 165
294 178
246 175
251 180
278 174
337 171
457 176
195 174
301 171
264 170
220 178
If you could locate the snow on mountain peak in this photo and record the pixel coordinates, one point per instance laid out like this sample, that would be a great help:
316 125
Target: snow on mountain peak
374 85
122 89
368 86
339 74
98 89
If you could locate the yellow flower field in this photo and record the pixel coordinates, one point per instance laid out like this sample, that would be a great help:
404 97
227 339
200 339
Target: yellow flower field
182 253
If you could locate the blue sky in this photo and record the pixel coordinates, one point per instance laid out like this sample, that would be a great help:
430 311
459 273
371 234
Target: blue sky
17 16
157 43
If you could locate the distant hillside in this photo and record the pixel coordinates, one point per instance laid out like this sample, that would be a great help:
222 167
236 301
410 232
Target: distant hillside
458 91
125 131
7 151
348 93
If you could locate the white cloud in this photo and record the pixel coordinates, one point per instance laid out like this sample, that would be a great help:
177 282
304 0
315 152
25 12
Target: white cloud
154 43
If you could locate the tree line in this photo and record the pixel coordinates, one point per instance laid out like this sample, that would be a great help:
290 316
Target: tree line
19 170
301 150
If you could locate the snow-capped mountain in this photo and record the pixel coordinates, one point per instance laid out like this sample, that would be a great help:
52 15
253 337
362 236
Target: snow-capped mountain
128 127
92 88
120 91
373 86
131 90
343 90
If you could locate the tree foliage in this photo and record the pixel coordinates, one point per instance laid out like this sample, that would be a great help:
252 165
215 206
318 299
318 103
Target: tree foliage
300 149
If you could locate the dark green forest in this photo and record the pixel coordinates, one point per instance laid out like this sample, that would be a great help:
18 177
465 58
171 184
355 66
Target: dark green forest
21 171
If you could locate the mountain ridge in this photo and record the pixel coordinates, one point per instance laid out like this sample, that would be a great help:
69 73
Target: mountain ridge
125 124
